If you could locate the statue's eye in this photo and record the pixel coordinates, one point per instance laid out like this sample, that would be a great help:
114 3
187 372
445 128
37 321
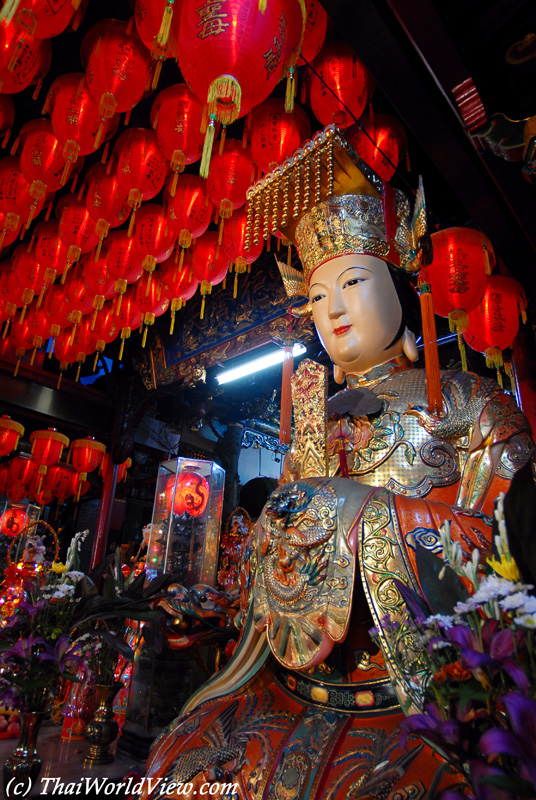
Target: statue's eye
352 282
316 298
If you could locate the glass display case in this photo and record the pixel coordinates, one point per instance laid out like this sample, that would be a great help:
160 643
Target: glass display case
16 518
185 526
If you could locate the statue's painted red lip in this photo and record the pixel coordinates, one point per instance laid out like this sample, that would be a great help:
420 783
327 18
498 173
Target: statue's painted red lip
341 330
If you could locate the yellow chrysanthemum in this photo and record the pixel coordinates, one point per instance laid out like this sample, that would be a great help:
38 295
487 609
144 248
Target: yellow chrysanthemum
58 567
506 567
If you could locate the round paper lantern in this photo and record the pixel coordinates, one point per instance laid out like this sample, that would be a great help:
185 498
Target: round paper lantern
106 200
47 447
191 494
17 492
141 166
232 57
210 264
154 238
177 117
458 274
75 116
95 336
86 455
189 210
99 280
118 67
9 228
24 59
494 323
15 195
152 301
234 244
42 161
380 142
123 260
50 249
60 480
230 177
29 333
77 228
276 134
10 293
10 431
122 468
157 24
57 310
32 276
21 469
67 349
316 21
14 518
339 68
128 316
43 19
178 282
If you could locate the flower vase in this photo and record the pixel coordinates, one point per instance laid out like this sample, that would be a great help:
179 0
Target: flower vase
103 729
23 766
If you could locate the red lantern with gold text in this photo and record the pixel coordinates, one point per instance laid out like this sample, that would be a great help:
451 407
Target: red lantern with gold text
106 201
179 282
339 68
99 281
43 19
14 518
123 260
191 494
380 141
15 195
78 295
316 22
458 274
10 431
57 310
157 24
189 210
276 134
32 276
154 238
75 116
495 321
21 469
68 349
128 316
210 264
42 161
151 300
51 251
94 338
177 117
60 480
118 68
24 59
29 333
86 456
47 447
77 229
234 244
141 166
230 177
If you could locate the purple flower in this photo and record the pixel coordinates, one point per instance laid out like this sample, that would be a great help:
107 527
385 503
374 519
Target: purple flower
520 742
433 728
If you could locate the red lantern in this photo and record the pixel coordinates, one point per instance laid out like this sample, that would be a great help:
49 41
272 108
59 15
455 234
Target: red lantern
121 472
60 480
10 431
51 251
29 333
47 447
234 244
177 117
21 469
380 142
276 134
15 195
210 264
128 316
339 68
57 309
157 23
24 59
106 201
152 301
462 260
68 349
77 229
17 492
10 293
43 19
75 116
230 177
14 518
78 296
33 277
189 210
494 323
123 260
154 238
42 161
118 67
178 282
9 228
232 57
86 455
141 166
191 494
316 22
99 281
94 338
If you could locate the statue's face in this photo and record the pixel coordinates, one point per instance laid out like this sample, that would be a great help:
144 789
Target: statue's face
356 311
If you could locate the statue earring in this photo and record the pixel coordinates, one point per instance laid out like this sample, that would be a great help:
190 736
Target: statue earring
409 346
339 374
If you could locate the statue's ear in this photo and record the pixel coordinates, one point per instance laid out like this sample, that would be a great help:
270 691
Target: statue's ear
409 345
339 374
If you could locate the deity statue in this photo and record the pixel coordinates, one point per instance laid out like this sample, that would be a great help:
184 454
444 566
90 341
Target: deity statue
307 709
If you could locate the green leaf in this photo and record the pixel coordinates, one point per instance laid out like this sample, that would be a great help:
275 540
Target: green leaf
378 444
511 784
410 453
118 644
399 430
382 431
366 453
108 589
443 593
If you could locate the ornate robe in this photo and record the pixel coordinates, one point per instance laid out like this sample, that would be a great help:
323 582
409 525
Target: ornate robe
305 710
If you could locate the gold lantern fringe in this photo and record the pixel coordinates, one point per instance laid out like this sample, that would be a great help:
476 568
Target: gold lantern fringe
225 88
458 321
494 357
290 92
262 6
165 26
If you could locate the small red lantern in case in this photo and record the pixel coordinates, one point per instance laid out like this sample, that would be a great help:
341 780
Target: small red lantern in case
191 494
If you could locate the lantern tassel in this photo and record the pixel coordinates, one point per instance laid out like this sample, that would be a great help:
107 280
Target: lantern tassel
290 91
262 6
224 99
431 356
121 349
16 370
144 337
463 354
165 26
207 147
4 332
60 376
8 12
285 419
95 360
172 323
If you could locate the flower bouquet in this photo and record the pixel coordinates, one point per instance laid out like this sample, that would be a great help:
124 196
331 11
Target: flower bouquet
473 637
